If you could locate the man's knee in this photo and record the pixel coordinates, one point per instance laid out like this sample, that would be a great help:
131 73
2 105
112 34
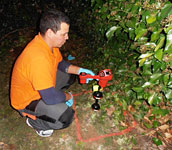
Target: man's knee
67 117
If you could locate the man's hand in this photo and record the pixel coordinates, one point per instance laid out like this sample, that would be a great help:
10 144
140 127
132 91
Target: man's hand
70 101
88 72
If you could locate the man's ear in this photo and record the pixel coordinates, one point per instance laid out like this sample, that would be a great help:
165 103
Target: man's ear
49 33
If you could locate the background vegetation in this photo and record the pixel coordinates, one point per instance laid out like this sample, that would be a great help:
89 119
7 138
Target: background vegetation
133 38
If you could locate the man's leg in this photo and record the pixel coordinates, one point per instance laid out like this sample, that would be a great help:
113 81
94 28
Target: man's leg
64 80
61 113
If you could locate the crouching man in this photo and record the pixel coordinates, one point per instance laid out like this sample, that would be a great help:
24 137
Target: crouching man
40 77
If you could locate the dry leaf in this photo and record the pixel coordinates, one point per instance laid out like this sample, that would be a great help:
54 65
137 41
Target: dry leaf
168 135
123 124
164 127
151 133
147 119
131 108
164 119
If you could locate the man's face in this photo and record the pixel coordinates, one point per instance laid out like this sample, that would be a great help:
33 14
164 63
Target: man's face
59 38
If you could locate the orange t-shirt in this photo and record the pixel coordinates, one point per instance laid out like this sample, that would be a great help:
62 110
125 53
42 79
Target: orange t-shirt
35 69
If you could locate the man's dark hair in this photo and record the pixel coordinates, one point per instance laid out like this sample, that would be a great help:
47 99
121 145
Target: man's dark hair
52 19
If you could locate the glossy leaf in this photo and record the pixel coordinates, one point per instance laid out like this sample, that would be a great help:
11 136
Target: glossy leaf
146 55
131 33
142 61
155 77
159 54
168 94
151 98
165 11
156 66
168 46
110 32
151 18
157 100
140 33
166 78
155 35
147 84
161 42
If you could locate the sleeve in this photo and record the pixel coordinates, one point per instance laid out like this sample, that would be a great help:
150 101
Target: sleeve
52 96
63 66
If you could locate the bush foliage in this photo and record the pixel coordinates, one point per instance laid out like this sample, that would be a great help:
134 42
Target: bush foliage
135 40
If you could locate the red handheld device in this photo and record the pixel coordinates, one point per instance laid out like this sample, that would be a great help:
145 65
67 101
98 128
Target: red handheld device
104 76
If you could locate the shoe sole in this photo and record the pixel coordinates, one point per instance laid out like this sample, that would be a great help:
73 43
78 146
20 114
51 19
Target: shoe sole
27 122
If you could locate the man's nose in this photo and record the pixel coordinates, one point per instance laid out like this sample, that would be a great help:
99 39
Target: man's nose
66 37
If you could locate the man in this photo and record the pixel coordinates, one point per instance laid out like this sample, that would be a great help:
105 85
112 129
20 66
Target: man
40 76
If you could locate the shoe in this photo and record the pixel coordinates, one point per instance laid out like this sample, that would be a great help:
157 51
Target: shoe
42 133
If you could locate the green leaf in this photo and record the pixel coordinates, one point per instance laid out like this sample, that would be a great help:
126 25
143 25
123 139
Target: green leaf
148 125
145 55
131 33
131 23
168 46
155 77
159 54
147 68
155 35
151 98
141 62
110 32
165 11
151 18
156 124
157 141
168 93
135 9
157 100
141 32
168 28
147 84
156 66
138 89
166 78
161 42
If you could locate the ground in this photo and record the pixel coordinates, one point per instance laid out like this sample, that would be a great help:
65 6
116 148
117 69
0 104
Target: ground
87 132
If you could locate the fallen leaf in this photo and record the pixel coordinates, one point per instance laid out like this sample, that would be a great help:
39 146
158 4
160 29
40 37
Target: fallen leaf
147 119
164 119
151 133
163 127
123 124
168 135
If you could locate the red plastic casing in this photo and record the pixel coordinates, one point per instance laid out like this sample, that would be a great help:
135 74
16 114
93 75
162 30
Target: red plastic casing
104 76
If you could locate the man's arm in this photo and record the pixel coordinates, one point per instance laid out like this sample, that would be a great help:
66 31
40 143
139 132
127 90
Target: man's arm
72 69
52 96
